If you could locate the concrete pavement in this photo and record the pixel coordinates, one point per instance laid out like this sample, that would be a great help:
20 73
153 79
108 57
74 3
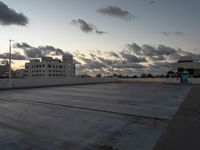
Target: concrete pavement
88 117
183 133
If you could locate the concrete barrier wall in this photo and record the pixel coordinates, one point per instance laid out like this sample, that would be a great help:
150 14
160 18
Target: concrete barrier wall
155 80
28 83
161 80
194 80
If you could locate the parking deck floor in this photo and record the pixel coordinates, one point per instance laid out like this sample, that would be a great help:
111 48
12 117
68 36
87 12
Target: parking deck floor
121 116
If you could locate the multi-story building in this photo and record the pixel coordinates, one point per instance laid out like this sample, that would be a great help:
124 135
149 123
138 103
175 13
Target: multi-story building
49 68
4 70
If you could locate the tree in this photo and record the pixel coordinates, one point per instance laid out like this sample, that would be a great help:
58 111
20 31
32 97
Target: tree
149 75
143 75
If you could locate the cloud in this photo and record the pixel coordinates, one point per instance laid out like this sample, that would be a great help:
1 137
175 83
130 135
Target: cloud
86 27
131 58
22 45
51 50
158 58
94 65
33 53
159 65
38 52
91 64
116 12
29 51
113 54
98 64
165 50
9 16
107 62
152 2
100 32
14 56
176 33
134 48
78 53
148 50
129 66
158 52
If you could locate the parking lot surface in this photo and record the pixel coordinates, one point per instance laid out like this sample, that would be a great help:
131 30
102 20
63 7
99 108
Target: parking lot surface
117 116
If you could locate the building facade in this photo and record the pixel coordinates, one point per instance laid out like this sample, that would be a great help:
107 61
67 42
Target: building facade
4 70
187 64
49 68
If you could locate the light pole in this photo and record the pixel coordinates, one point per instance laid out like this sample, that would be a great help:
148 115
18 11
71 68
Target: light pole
10 57
69 70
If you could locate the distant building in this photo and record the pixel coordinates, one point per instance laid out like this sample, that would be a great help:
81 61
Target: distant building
4 70
186 63
20 73
50 68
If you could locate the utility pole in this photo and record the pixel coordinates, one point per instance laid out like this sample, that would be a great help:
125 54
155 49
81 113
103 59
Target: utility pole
10 57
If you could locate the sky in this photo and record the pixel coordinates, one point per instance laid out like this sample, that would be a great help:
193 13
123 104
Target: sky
89 26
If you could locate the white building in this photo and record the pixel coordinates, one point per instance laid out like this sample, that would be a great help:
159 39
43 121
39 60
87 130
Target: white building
49 68
186 63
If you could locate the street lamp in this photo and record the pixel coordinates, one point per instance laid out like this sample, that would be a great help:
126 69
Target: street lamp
10 57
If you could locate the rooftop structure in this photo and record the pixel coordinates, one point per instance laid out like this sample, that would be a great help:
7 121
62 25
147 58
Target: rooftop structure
186 63
93 117
185 59
51 68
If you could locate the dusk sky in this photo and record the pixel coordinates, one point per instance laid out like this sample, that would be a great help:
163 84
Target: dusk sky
104 25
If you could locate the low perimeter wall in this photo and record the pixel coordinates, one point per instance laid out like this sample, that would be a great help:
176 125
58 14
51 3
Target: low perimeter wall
30 83
161 80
